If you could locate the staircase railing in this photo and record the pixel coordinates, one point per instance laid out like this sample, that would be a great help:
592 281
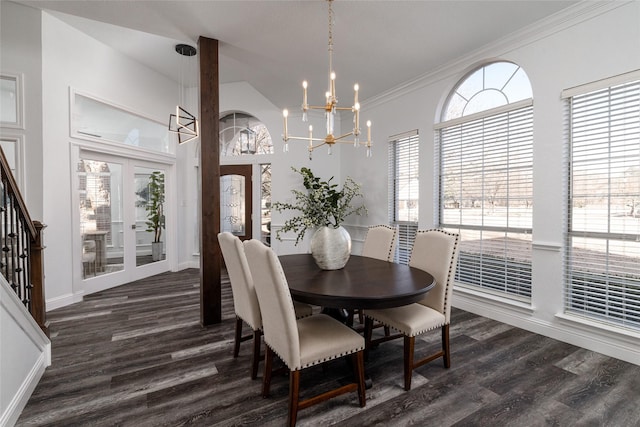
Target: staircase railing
21 260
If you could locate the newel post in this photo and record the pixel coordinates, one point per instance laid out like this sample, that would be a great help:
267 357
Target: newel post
38 309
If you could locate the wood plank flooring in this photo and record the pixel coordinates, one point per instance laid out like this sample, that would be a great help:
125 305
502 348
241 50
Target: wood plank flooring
136 355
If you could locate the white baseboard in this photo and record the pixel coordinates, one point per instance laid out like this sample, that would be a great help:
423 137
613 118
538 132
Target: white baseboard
63 301
599 339
187 264
19 401
24 349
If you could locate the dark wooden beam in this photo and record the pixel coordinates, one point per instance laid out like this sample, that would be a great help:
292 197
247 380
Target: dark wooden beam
210 254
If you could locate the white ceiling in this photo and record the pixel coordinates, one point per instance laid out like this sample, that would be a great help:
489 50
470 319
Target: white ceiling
274 45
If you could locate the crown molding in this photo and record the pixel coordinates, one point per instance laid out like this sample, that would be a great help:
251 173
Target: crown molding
553 24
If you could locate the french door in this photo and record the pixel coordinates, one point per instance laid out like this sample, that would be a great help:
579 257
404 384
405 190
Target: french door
122 219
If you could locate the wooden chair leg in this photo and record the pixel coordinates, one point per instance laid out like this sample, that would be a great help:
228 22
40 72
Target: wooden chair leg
294 392
238 338
358 362
445 347
256 354
266 377
387 331
368 330
409 343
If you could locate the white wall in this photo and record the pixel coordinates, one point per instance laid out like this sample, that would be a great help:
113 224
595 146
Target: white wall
20 43
25 352
72 59
590 43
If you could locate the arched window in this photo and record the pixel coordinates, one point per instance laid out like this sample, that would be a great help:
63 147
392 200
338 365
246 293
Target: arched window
490 86
242 134
485 150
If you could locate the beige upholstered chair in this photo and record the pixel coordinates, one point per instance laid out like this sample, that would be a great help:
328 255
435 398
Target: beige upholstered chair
245 300
436 252
300 343
380 242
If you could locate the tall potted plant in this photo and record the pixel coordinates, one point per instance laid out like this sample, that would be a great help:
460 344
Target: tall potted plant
155 213
323 207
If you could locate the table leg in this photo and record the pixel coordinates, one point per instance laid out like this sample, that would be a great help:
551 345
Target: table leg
342 316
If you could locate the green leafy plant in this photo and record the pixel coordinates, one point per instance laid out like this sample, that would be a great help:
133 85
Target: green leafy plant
155 205
322 204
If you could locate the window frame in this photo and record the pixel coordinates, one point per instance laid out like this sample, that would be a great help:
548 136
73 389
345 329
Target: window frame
18 123
17 161
98 141
254 125
490 273
610 296
406 229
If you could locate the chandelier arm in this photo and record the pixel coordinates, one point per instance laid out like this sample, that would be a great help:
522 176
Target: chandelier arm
316 107
313 147
330 109
306 138
338 138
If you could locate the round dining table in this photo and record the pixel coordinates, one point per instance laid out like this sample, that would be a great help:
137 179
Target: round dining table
363 283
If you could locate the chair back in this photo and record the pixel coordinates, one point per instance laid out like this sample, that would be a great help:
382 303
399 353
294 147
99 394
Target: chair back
88 246
88 250
278 314
436 251
380 242
245 300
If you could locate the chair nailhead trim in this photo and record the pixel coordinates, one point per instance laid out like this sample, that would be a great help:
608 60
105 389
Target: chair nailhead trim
449 281
316 362
422 331
393 239
245 321
450 275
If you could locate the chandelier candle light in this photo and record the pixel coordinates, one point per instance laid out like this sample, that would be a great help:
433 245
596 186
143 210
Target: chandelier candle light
330 108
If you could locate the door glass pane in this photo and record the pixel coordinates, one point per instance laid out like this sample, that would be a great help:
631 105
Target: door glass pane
232 206
100 189
265 204
150 219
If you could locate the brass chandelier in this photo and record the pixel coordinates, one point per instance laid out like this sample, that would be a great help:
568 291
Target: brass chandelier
330 108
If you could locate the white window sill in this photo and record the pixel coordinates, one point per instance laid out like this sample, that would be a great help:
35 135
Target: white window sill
492 299
601 328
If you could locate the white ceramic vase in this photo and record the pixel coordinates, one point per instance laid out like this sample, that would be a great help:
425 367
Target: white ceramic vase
156 251
331 247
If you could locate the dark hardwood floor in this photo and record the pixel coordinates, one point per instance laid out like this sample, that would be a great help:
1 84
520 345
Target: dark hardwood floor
136 355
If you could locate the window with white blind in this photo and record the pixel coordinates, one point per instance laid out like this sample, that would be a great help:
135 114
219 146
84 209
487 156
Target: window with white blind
485 155
403 191
602 262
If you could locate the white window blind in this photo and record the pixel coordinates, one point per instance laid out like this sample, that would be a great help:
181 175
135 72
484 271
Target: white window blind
403 191
486 195
602 262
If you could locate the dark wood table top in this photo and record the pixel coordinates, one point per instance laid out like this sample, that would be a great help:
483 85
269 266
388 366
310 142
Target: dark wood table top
364 282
